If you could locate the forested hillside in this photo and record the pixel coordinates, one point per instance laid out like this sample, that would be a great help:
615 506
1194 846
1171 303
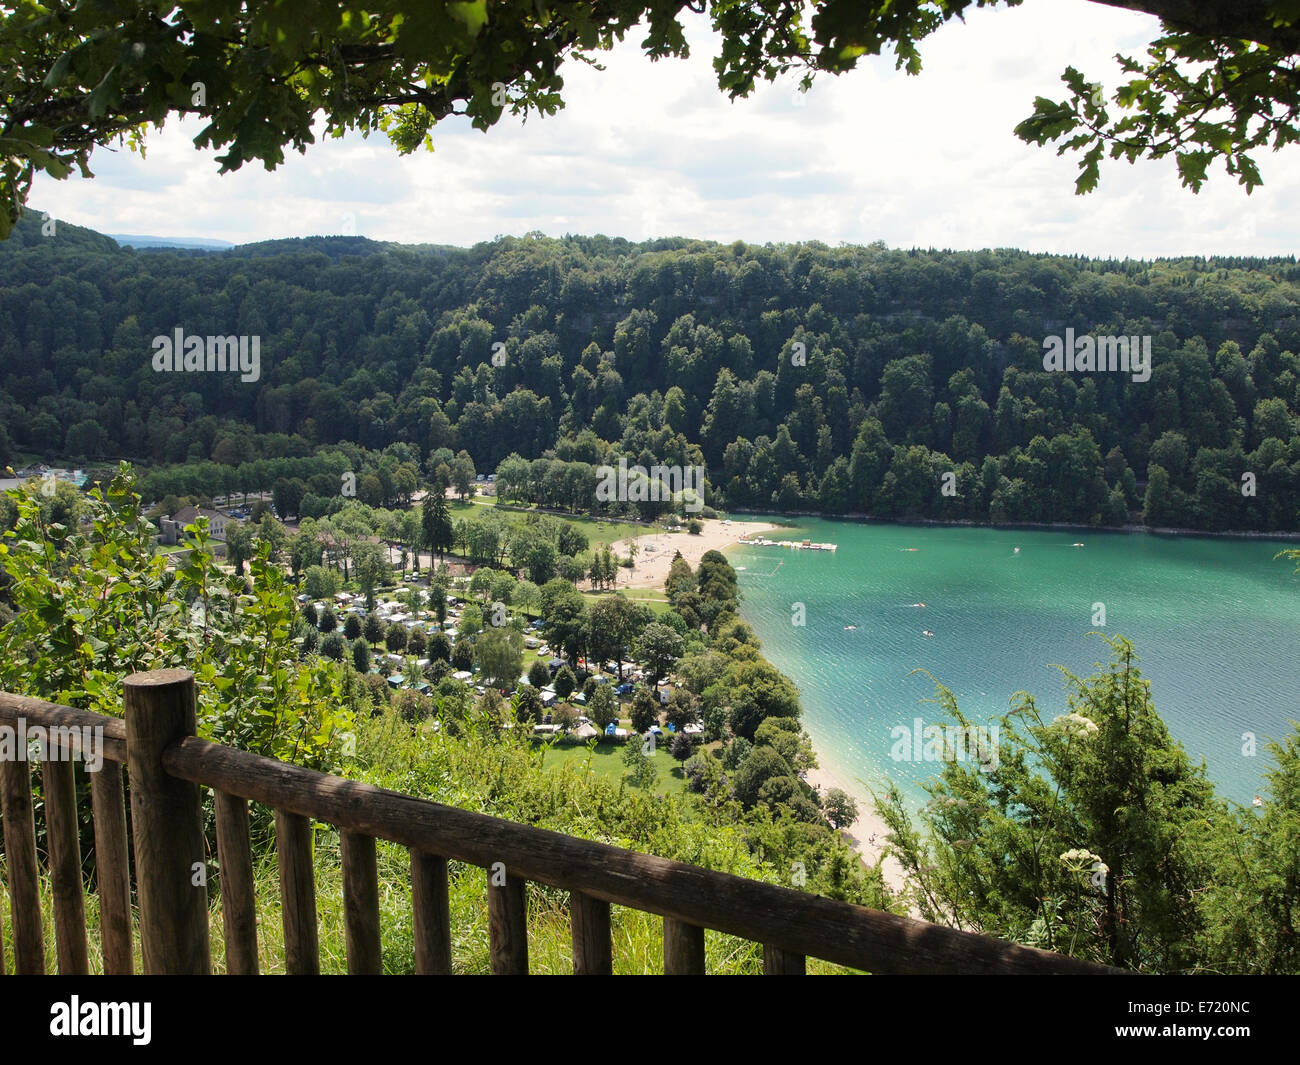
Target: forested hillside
844 380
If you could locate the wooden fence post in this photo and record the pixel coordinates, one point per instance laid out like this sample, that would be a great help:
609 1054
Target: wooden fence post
166 815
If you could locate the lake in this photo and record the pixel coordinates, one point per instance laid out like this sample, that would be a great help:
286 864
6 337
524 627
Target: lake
1215 623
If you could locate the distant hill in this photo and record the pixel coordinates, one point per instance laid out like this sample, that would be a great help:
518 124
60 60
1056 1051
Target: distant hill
202 243
902 383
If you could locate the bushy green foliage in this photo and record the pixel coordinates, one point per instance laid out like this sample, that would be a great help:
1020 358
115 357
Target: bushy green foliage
642 771
95 604
1089 834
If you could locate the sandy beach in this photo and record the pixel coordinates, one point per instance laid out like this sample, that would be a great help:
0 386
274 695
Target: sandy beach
867 834
657 549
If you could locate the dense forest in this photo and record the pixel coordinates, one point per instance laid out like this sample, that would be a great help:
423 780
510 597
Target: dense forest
802 377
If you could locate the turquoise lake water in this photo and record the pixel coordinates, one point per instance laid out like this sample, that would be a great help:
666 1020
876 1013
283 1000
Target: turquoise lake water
1215 623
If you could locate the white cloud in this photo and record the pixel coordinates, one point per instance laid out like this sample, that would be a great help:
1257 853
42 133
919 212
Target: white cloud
651 149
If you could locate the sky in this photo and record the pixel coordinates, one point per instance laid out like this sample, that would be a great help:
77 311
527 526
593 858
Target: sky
646 149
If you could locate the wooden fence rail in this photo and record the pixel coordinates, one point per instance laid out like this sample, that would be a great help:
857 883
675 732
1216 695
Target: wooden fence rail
167 764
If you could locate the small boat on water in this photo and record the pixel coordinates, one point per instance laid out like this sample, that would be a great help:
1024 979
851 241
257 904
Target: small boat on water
850 628
1076 545
918 604
926 632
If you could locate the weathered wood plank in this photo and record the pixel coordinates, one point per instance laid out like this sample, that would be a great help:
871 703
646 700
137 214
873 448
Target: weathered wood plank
592 947
238 904
20 863
778 962
683 948
794 921
112 869
297 894
507 923
47 715
59 786
361 904
166 820
431 904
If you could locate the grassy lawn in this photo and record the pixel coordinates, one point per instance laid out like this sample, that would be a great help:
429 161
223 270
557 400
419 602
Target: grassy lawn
607 761
651 597
613 533
457 509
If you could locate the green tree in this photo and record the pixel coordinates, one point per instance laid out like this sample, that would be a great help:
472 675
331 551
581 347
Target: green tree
322 583
527 704
462 656
761 764
645 710
287 494
371 567
435 520
373 629
1251 907
841 809
361 656
439 647
565 613
602 706
471 620
462 474
641 768
615 623
499 653
239 545
659 648
1089 834
538 675
759 691
682 746
565 682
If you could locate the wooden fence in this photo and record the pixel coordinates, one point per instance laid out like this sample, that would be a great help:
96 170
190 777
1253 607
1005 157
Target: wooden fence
167 764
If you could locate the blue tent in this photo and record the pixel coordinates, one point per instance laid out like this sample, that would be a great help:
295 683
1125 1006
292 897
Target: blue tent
610 728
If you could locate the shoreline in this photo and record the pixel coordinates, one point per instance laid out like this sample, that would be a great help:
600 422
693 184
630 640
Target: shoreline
1150 530
866 835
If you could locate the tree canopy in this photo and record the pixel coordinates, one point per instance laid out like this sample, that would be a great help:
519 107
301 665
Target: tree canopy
1218 82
